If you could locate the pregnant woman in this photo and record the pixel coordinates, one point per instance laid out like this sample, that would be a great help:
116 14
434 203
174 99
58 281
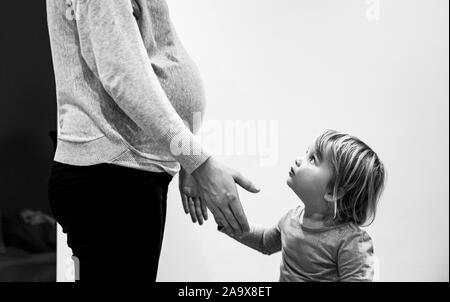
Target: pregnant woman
127 94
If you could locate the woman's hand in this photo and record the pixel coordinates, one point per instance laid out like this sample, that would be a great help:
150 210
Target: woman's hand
216 185
192 203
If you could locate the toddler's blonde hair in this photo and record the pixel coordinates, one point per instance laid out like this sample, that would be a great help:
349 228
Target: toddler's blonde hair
358 176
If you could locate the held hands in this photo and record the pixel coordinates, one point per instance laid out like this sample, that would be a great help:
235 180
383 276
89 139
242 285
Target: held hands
213 185
226 231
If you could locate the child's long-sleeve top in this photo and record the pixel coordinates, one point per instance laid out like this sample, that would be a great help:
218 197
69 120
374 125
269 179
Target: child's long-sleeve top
339 253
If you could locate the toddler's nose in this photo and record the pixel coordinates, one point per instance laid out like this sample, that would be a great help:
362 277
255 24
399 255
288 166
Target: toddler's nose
298 162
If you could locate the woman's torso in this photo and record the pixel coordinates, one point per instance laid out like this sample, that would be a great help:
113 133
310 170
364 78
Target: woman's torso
88 116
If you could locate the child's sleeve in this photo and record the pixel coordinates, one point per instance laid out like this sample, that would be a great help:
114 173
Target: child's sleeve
264 240
355 258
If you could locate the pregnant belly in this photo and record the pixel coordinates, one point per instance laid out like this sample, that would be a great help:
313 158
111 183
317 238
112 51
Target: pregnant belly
184 88
180 79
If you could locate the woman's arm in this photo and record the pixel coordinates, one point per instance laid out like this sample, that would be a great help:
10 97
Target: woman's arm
112 47
264 240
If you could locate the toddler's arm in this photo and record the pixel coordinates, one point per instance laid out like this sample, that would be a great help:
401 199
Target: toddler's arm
264 240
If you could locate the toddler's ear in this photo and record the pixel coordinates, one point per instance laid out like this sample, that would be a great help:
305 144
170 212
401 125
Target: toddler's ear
330 198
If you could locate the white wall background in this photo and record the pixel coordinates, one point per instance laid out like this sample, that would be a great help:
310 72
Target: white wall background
311 65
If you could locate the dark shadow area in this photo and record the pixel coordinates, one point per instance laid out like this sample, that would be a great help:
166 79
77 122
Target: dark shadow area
27 115
28 247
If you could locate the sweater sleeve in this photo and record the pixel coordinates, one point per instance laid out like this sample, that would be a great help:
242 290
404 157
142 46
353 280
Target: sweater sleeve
355 258
266 241
113 49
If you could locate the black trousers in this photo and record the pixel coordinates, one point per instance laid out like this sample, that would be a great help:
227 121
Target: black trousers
114 219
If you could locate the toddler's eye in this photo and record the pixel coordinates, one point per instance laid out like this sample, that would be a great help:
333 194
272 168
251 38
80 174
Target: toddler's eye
312 159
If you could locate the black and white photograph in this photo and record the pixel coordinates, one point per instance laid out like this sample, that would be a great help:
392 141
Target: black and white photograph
228 142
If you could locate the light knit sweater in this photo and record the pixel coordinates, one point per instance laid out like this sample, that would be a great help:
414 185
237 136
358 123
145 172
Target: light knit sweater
127 92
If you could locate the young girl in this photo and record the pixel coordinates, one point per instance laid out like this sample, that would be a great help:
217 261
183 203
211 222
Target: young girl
339 180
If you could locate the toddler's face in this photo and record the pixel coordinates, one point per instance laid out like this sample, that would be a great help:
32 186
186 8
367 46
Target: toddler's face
310 176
